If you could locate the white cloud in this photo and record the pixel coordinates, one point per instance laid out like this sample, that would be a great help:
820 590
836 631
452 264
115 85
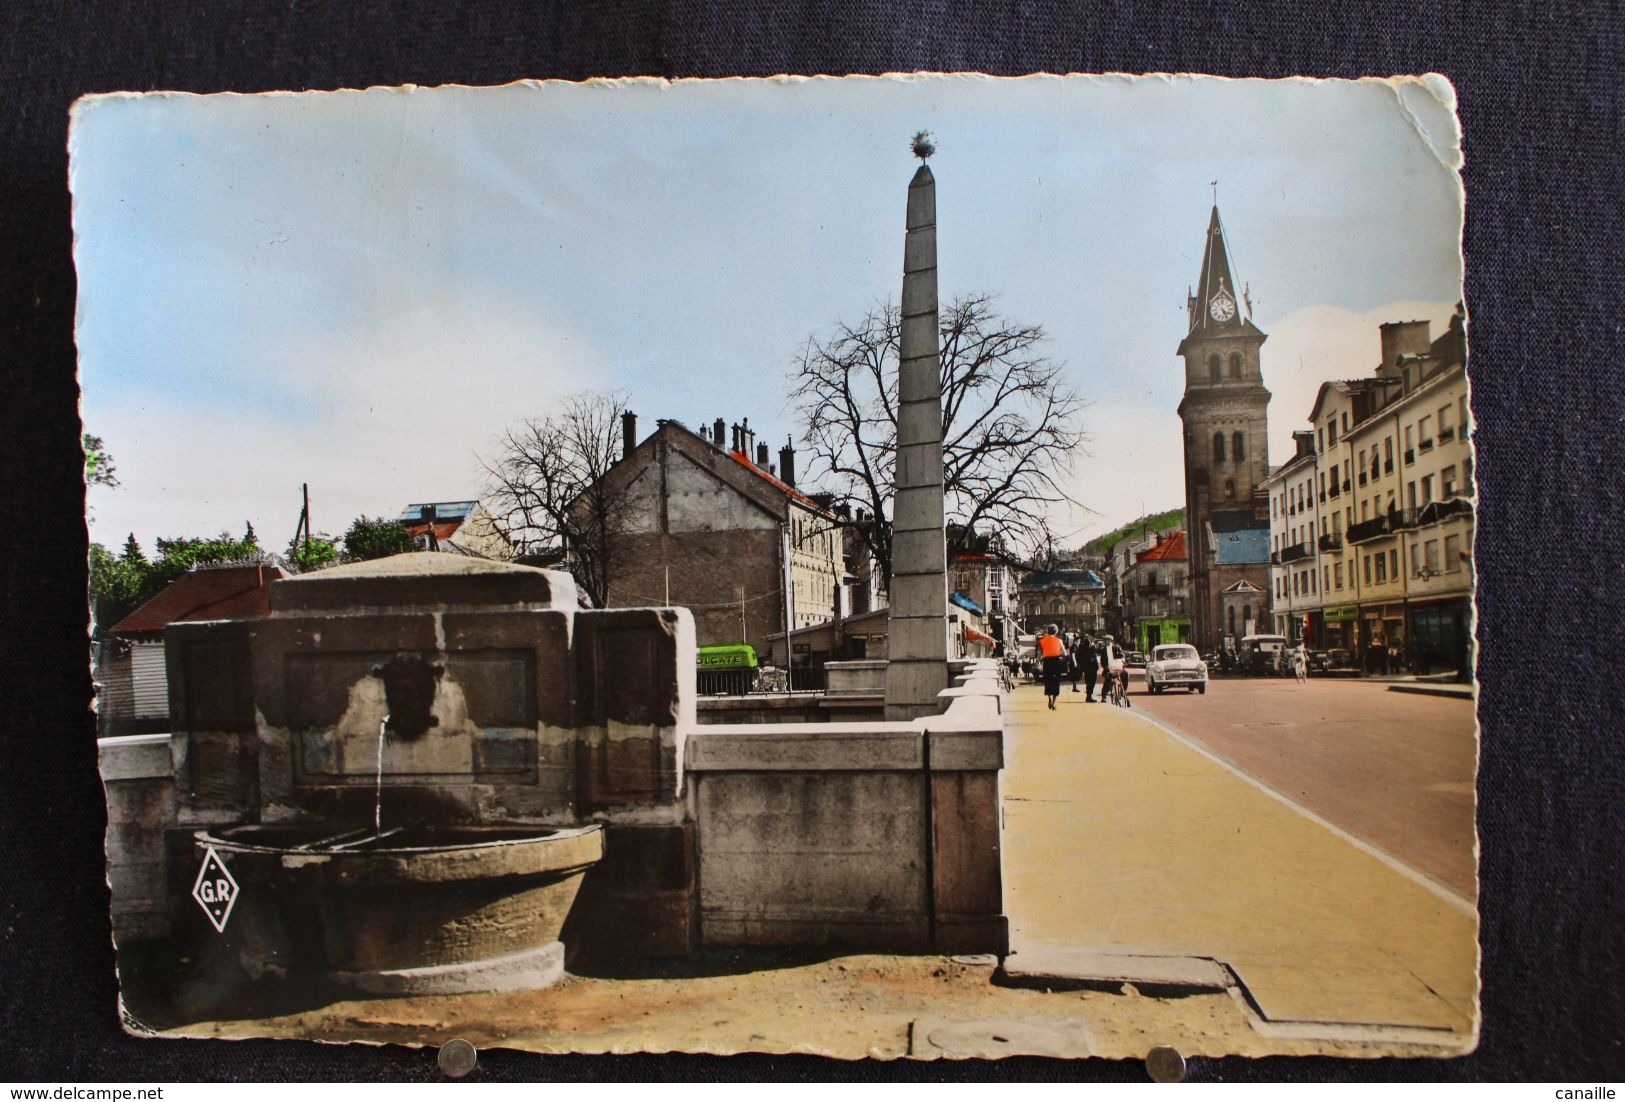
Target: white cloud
403 405
1317 343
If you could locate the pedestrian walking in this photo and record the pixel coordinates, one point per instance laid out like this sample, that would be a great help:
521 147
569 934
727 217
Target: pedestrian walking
1090 661
1074 662
1052 653
1300 664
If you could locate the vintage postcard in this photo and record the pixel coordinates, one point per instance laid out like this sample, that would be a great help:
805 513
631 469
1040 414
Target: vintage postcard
924 567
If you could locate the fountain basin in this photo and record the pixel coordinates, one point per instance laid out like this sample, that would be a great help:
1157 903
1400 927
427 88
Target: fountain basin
408 911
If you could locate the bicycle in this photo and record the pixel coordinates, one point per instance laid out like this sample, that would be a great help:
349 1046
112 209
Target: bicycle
1118 694
1007 679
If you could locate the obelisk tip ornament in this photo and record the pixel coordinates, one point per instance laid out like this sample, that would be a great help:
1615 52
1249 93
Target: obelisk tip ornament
917 632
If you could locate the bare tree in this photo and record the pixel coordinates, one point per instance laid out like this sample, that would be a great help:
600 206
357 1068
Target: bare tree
548 493
1009 422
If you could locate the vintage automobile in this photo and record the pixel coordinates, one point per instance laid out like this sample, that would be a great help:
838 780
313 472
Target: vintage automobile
1263 655
1136 662
1176 666
1339 660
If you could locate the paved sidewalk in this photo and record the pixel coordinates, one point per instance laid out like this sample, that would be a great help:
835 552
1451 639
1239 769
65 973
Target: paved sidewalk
1125 842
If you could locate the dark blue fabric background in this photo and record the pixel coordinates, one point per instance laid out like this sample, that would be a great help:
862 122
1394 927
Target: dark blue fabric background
1540 99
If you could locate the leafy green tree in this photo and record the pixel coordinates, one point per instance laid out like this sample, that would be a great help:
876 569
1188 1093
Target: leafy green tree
98 464
374 538
314 553
116 586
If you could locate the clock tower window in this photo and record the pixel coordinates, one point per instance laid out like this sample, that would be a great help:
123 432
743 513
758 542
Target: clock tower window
1235 365
1213 368
1218 447
1237 451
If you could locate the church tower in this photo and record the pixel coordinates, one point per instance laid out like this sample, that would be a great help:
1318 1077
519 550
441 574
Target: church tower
1226 423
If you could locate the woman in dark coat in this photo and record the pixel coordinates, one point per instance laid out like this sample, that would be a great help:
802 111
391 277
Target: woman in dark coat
1086 657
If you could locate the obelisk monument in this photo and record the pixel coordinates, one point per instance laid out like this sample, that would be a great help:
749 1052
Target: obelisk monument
917 635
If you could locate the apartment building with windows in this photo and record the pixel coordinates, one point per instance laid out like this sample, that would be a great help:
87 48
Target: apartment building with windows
1384 530
1296 537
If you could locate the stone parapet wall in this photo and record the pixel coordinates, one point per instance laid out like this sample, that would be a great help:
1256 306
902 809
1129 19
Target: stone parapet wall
139 777
879 836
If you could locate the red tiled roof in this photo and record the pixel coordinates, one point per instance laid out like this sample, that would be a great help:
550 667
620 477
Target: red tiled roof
783 487
1171 548
231 592
443 529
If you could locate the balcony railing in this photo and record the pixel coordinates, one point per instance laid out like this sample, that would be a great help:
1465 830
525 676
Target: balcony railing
1366 530
1334 491
1446 435
1410 456
1332 541
1436 511
1295 552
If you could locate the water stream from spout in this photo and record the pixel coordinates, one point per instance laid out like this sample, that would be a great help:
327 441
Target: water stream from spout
378 781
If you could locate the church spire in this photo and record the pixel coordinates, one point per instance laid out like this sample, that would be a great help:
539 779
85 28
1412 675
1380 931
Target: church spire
1214 306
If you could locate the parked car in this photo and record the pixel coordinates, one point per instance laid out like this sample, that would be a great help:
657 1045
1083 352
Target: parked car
1339 660
1136 662
1176 666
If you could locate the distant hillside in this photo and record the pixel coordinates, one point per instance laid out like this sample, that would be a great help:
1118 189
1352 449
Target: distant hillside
1155 522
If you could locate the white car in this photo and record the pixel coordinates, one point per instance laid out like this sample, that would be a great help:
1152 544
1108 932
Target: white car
1176 666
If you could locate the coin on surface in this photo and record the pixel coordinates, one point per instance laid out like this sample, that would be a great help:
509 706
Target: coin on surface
458 1057
1163 1064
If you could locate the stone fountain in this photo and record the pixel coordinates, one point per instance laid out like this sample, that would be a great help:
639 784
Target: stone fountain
411 765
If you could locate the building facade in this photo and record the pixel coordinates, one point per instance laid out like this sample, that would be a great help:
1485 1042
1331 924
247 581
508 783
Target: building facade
1296 538
1225 417
1156 593
1073 600
707 524
1373 551
982 570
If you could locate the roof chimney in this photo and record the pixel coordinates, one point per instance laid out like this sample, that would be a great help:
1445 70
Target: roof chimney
787 463
761 456
747 438
736 437
1402 338
629 434
716 431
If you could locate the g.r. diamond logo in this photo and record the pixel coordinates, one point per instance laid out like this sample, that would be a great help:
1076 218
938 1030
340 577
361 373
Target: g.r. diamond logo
215 890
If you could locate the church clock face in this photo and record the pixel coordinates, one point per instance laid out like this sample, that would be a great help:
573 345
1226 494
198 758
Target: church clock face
1222 308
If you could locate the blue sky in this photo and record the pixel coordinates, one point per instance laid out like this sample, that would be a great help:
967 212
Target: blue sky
361 290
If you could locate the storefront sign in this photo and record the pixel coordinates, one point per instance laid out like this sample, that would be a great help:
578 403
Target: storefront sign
1341 613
